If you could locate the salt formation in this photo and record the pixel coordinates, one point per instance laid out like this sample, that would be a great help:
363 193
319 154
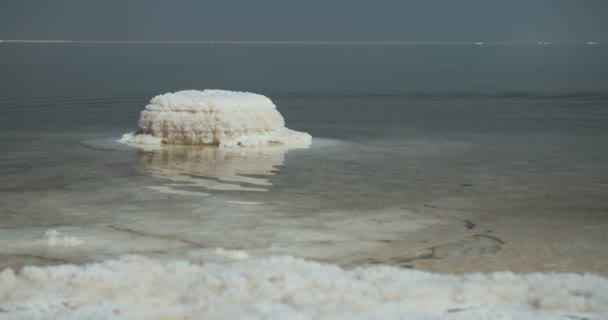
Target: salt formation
213 117
290 288
55 239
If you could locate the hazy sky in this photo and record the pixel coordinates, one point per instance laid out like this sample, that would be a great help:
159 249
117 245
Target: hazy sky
310 20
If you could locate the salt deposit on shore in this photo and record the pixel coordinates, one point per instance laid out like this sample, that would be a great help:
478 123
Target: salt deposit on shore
237 287
56 239
213 117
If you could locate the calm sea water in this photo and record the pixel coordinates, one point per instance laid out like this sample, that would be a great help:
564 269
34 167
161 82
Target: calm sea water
493 130
437 90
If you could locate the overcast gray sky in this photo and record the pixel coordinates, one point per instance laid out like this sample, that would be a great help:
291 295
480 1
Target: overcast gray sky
311 20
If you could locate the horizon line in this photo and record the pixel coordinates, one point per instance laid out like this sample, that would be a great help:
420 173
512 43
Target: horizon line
306 42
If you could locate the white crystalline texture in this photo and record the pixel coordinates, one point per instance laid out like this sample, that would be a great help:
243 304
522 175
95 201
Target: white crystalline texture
290 288
213 117
55 239
232 254
145 139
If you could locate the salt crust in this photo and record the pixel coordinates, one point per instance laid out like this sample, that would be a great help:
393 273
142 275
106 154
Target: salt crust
289 288
213 117
56 239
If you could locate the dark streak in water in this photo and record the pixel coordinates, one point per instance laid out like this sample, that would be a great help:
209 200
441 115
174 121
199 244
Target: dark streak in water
490 237
467 246
94 148
38 257
468 224
143 234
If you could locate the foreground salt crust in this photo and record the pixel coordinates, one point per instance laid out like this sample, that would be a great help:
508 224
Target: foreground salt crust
213 117
289 288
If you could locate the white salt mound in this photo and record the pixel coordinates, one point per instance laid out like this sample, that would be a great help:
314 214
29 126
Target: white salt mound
290 288
213 117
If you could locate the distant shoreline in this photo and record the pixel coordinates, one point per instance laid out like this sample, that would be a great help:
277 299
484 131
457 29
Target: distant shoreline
518 43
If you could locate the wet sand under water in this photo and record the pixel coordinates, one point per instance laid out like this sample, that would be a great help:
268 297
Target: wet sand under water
441 206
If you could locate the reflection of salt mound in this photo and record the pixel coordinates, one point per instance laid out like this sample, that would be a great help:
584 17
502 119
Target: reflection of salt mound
213 117
240 169
290 288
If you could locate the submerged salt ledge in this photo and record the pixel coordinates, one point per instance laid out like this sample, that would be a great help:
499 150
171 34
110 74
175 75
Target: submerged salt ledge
56 239
213 117
290 288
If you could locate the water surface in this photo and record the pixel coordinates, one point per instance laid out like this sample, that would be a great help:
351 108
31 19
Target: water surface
465 158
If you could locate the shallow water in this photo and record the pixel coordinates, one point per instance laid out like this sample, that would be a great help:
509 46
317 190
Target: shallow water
451 159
